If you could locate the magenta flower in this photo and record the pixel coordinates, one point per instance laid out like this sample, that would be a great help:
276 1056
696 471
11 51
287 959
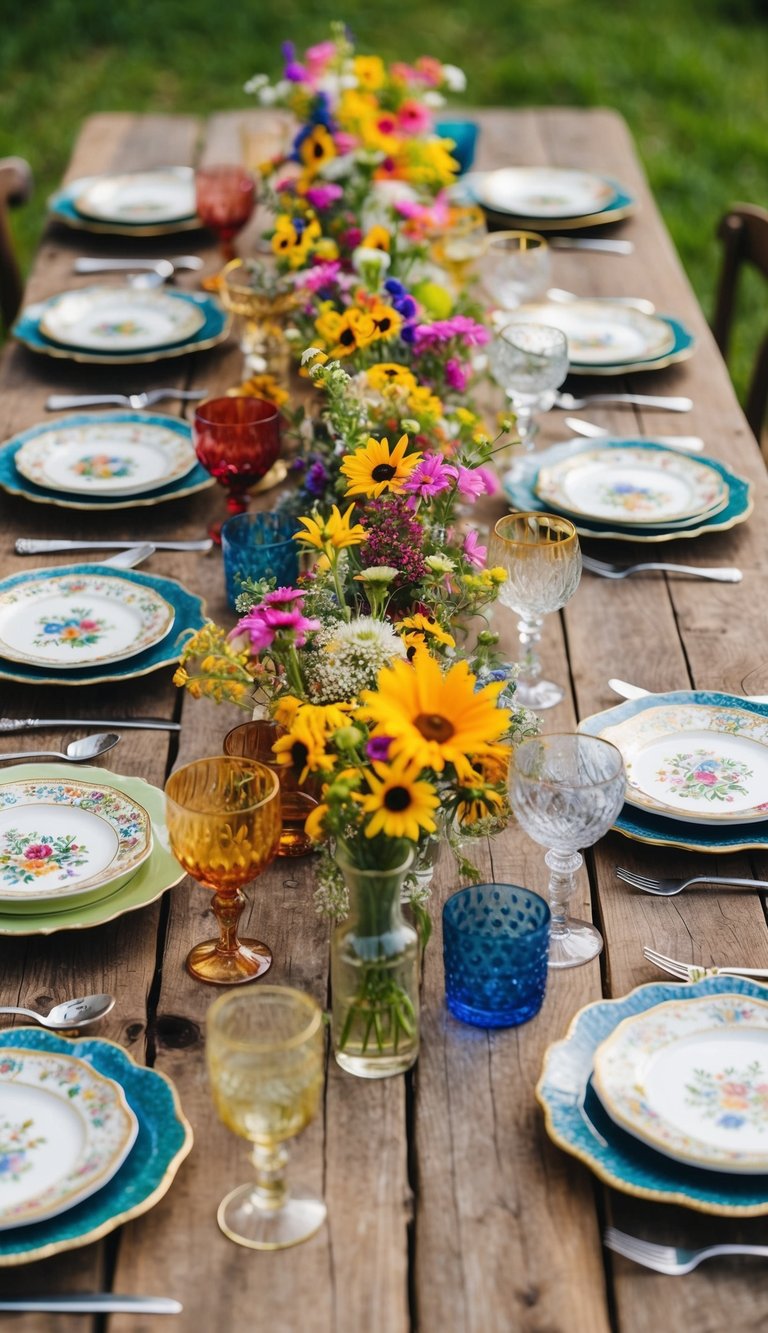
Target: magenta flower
490 480
319 56
38 851
414 118
473 551
467 330
430 477
282 595
319 276
294 620
322 196
455 374
377 749
344 142
260 634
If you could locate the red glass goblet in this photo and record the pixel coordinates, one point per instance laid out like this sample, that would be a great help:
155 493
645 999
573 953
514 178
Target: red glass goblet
237 440
225 200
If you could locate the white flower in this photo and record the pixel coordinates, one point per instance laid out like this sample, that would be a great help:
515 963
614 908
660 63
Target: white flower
366 255
267 96
378 574
309 354
374 636
254 84
433 99
455 79
336 168
440 564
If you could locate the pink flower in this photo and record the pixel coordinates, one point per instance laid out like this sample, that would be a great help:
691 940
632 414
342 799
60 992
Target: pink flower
414 118
89 624
260 634
282 595
38 851
473 551
489 480
431 476
703 775
322 196
468 483
405 73
467 330
455 374
435 214
386 124
430 70
319 56
294 620
344 142
319 276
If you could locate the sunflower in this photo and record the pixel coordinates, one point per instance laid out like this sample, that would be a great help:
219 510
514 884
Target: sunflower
333 533
435 719
346 332
376 468
417 630
316 149
401 804
478 803
386 319
377 238
390 373
303 747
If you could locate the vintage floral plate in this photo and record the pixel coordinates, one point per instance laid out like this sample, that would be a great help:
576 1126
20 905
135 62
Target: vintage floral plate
61 838
160 870
600 333
62 206
633 485
13 480
575 1116
113 457
690 1078
697 758
65 1130
140 198
519 488
188 614
552 198
215 327
164 1139
68 621
120 319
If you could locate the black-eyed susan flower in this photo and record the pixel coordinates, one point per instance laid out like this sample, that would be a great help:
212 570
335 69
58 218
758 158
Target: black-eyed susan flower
418 630
333 533
316 149
303 749
389 374
401 804
377 468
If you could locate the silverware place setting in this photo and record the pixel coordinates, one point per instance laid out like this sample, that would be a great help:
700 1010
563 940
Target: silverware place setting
695 972
671 1259
35 546
78 1013
92 1302
571 403
691 443
11 725
669 888
63 402
607 570
606 245
82 751
628 691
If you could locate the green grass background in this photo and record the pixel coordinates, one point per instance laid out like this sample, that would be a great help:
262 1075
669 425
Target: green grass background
688 75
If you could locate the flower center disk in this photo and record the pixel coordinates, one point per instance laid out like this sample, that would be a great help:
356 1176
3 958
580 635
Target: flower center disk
434 727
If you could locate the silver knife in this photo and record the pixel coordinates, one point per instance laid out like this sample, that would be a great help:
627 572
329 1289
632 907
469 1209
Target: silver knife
591 243
97 1302
11 724
86 264
33 546
628 691
693 443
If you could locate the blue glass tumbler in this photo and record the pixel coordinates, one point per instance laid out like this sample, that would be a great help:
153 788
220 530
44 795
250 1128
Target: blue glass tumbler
259 546
464 135
495 948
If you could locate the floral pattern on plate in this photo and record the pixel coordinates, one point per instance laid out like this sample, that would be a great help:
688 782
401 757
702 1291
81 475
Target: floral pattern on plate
64 1132
600 333
661 1076
705 775
107 456
77 630
632 484
26 857
112 319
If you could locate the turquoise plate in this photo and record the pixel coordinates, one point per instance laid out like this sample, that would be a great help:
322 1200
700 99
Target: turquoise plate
681 349
215 327
643 825
189 614
620 206
61 205
11 480
570 1105
163 1141
519 490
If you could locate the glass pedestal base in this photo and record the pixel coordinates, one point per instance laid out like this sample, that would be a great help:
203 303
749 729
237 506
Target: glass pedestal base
244 1218
208 962
580 943
544 694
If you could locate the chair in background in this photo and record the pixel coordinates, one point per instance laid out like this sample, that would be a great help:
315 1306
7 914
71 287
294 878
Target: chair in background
744 233
15 188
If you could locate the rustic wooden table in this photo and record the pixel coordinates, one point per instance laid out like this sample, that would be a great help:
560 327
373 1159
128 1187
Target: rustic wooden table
448 1207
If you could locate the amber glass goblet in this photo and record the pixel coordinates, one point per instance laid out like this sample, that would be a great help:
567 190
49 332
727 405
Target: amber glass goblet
254 740
237 440
460 242
225 199
223 817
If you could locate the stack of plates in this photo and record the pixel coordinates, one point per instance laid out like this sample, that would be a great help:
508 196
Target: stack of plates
630 490
105 460
661 1093
92 1139
79 850
84 624
549 198
118 326
137 203
606 337
697 769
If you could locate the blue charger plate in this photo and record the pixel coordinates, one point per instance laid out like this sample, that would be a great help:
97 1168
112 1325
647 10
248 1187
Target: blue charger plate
163 1141
11 480
682 347
620 206
519 490
215 327
61 205
623 1161
189 614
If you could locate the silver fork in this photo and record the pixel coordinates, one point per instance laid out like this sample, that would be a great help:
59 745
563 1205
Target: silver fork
60 402
667 888
671 1259
693 972
568 401
606 570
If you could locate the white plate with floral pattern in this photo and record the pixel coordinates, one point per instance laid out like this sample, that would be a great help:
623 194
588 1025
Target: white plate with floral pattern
600 333
76 620
64 1132
698 763
545 192
62 841
139 198
633 485
120 319
106 457
690 1078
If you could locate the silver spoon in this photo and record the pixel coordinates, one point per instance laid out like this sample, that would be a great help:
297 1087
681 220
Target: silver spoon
70 1014
77 752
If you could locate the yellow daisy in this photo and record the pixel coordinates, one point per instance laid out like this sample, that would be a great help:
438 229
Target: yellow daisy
331 534
390 373
303 748
377 238
317 149
376 468
417 630
401 804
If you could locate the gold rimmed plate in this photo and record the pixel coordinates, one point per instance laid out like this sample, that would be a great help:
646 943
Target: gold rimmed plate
633 485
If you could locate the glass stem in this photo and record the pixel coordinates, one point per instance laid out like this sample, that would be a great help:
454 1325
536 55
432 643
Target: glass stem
270 1190
529 634
228 908
563 867
237 501
525 427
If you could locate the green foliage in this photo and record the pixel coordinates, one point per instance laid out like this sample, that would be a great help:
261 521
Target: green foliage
689 78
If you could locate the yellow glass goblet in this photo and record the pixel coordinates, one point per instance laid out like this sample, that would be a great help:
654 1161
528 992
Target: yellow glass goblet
265 1051
223 817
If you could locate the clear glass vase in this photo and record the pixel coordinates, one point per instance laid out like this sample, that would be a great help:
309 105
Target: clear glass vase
375 974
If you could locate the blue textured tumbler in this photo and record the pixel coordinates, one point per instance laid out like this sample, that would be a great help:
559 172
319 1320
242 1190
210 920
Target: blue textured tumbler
464 135
495 948
259 546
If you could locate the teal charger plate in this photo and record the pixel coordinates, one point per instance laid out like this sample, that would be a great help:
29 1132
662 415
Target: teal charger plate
623 1161
620 206
12 481
644 826
61 206
163 1141
189 614
214 329
519 490
682 347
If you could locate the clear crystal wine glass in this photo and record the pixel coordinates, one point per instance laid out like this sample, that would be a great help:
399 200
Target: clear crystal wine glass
515 267
542 559
567 791
529 362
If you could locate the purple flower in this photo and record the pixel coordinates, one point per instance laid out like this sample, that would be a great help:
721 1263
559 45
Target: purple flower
455 374
431 476
467 330
473 551
395 538
377 749
316 479
260 634
322 196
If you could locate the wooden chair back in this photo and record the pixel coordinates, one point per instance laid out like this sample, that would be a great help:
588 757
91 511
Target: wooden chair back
744 234
15 188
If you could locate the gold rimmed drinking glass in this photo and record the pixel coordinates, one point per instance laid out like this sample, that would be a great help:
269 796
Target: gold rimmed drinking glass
223 817
515 267
265 1051
542 559
456 245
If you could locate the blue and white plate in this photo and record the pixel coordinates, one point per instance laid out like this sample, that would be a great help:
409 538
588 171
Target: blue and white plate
164 1139
519 488
571 1106
215 327
63 207
549 198
188 614
196 479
